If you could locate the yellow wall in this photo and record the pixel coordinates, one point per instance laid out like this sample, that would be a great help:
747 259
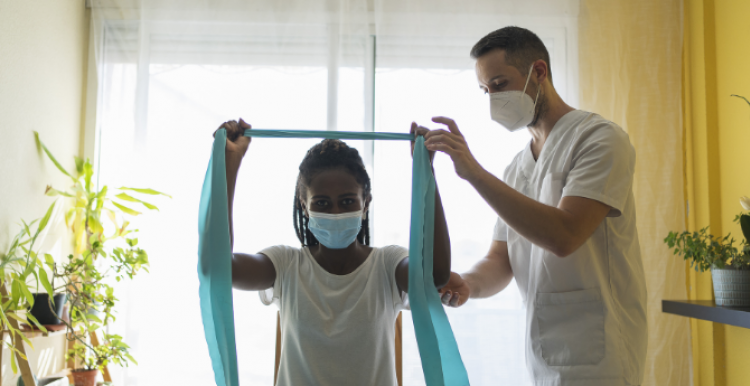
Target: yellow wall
43 44
717 64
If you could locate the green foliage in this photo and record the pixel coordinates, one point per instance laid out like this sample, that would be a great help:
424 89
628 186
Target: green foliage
705 251
102 251
18 266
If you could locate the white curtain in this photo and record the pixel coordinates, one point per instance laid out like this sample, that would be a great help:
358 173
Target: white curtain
171 71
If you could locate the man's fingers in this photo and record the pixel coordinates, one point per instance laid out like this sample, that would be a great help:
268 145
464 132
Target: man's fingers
452 139
443 147
448 122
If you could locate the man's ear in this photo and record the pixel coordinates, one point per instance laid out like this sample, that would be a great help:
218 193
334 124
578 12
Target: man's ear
541 71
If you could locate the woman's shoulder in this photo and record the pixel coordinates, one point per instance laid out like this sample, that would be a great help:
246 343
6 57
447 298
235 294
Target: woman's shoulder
393 253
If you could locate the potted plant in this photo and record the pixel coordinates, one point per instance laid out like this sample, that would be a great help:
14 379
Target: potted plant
20 265
86 276
729 264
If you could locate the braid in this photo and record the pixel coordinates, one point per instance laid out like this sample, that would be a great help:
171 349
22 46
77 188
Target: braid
328 154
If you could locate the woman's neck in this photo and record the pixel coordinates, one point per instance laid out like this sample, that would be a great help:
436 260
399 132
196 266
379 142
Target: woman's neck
341 261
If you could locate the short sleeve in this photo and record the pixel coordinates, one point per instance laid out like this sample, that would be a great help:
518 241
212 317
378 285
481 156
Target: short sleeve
393 255
501 230
280 256
602 167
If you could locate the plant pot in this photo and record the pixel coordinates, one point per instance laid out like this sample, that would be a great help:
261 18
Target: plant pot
731 287
85 377
41 310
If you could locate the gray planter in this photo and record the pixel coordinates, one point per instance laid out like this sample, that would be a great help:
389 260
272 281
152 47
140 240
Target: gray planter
731 287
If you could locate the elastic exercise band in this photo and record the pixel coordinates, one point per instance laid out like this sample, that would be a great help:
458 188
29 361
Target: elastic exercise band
441 360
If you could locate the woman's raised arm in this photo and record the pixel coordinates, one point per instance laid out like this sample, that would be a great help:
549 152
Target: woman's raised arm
249 272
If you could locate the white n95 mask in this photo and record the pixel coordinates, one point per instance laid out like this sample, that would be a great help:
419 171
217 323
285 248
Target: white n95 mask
513 109
335 231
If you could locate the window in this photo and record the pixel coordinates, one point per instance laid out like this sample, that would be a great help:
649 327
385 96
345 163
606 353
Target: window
160 102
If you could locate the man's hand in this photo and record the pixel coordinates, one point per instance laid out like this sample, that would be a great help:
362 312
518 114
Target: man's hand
456 292
453 143
237 143
420 130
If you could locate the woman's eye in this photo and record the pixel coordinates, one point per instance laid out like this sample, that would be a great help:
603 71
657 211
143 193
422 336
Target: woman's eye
347 201
321 203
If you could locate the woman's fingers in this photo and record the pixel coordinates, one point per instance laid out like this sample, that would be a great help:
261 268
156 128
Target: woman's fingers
450 298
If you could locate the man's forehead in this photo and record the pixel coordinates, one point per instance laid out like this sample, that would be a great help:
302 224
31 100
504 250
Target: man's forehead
492 65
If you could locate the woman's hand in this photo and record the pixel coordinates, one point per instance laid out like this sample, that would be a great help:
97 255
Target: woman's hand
420 130
237 143
456 292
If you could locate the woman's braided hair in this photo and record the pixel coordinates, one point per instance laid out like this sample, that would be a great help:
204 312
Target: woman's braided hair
326 155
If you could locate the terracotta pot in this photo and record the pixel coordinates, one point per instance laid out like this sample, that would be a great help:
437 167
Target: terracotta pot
85 377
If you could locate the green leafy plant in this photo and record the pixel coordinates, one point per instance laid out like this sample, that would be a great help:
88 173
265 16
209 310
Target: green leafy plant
18 266
706 251
87 274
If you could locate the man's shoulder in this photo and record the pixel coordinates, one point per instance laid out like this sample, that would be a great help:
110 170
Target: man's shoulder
594 127
589 122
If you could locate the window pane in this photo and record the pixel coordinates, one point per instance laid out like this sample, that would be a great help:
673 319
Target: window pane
490 332
186 104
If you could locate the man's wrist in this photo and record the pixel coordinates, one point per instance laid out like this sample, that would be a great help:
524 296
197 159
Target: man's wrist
477 175
470 281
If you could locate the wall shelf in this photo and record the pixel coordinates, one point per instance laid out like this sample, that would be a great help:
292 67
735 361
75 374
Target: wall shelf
708 310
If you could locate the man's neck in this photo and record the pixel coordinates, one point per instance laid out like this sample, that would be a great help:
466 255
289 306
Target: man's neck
556 108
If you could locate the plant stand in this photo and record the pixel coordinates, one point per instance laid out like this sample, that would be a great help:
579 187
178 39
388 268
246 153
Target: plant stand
23 364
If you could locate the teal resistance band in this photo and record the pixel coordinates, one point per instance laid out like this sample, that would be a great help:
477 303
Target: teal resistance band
441 360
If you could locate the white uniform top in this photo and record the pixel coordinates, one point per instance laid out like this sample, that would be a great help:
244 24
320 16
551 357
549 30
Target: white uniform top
586 313
336 329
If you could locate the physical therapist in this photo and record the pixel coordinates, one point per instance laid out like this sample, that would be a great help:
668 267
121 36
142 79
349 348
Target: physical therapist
566 228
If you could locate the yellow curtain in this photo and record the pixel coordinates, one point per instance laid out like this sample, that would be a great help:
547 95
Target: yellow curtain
630 55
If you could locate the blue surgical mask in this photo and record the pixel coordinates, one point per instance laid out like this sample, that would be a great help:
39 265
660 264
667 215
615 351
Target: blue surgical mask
335 231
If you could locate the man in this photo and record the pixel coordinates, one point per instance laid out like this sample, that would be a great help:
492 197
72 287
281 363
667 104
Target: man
566 228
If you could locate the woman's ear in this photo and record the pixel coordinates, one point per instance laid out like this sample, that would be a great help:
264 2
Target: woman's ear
366 209
303 205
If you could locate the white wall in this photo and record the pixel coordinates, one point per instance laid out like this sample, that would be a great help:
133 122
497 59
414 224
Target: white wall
43 47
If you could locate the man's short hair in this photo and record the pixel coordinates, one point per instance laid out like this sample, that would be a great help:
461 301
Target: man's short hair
522 47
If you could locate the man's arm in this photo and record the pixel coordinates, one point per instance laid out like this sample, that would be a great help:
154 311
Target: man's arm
560 230
490 275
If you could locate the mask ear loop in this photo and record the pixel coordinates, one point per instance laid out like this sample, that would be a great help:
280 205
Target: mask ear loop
528 78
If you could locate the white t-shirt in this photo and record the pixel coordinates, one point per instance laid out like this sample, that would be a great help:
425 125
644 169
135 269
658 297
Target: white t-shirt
586 313
336 329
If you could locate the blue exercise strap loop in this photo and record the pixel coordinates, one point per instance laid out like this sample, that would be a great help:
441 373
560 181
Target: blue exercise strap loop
441 360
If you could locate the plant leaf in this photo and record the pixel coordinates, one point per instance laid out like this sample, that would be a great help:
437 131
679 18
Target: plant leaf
45 219
126 209
147 191
51 157
45 283
36 322
126 197
745 224
26 293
